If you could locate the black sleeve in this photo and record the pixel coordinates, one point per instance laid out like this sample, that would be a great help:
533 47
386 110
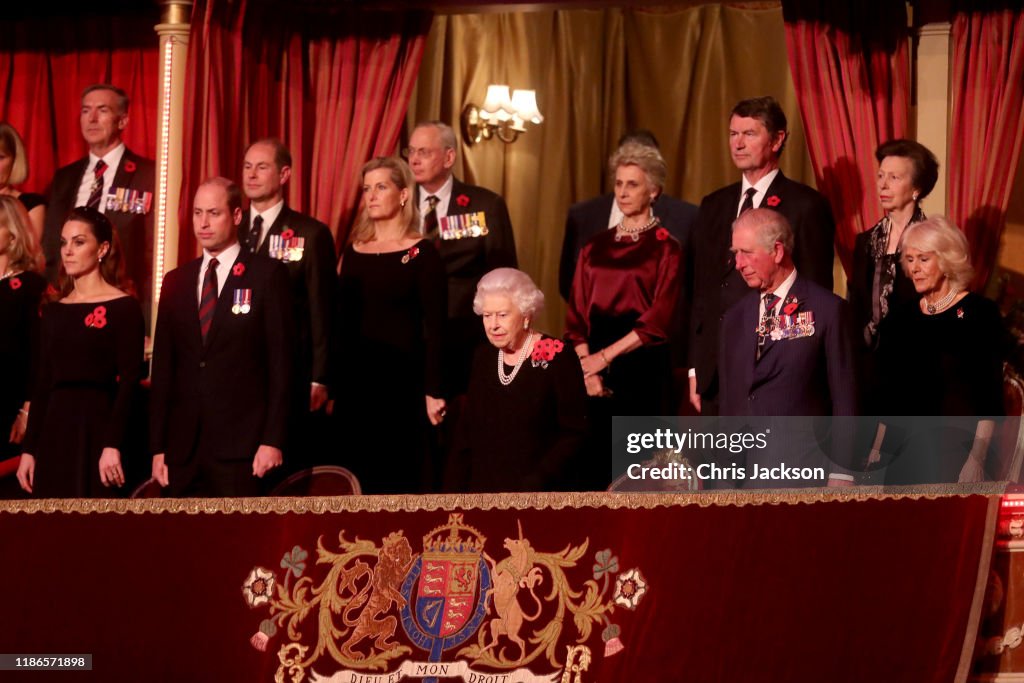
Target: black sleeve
130 347
164 364
279 332
40 388
501 243
814 251
433 291
321 287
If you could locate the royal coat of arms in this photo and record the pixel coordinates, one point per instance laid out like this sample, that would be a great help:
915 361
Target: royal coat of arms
468 615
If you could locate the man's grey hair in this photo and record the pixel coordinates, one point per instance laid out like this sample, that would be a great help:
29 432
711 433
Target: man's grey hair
448 140
771 227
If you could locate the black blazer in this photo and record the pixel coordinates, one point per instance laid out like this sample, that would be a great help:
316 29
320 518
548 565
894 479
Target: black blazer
588 218
314 288
469 259
222 400
716 283
134 230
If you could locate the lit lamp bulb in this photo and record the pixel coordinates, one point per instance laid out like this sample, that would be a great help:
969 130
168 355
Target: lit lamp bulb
497 104
524 104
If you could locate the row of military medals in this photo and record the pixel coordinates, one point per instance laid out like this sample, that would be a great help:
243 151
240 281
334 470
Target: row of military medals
784 326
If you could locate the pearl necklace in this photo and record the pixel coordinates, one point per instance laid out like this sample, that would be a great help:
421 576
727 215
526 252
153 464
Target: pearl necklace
507 379
942 303
621 230
9 273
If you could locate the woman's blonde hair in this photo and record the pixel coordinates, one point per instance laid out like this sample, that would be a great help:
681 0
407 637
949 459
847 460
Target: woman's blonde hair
939 236
401 176
24 252
11 143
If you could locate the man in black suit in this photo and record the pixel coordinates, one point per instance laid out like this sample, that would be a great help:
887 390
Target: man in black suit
757 135
306 247
112 179
474 235
221 360
589 217
786 348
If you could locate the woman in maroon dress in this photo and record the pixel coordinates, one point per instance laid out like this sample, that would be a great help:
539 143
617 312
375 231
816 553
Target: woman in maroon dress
624 296
89 370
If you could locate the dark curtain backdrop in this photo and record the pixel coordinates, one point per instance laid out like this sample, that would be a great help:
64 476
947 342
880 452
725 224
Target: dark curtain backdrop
332 84
46 62
851 68
987 129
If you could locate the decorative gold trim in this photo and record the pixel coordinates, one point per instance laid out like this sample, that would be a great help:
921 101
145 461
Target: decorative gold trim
980 584
493 501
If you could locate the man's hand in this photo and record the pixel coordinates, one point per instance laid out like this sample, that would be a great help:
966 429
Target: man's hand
436 410
160 470
267 458
834 482
317 397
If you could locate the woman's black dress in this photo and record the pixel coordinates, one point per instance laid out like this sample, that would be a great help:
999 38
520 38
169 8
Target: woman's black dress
91 362
393 308
19 338
949 366
525 436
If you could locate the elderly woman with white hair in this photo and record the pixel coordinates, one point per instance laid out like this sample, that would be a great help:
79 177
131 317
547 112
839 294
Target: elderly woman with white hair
525 418
942 355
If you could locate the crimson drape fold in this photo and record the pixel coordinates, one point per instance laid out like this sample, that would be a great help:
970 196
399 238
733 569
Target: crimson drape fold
850 66
45 63
333 84
988 125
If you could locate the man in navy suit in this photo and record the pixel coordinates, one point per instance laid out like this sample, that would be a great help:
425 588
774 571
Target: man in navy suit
787 347
757 136
113 180
222 360
306 247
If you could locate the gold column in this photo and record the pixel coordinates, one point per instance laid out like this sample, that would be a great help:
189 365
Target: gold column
933 104
173 31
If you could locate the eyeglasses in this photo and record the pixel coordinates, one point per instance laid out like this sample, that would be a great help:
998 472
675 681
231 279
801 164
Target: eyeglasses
419 152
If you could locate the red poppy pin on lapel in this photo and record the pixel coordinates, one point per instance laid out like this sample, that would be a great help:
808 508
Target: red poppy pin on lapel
129 167
773 201
15 283
238 270
662 234
287 234
462 200
98 318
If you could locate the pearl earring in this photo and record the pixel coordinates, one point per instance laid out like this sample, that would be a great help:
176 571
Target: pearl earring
526 324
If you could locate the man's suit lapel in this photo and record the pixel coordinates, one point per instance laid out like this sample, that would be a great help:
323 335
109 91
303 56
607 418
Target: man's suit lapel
226 298
777 190
123 176
459 190
723 238
190 273
749 325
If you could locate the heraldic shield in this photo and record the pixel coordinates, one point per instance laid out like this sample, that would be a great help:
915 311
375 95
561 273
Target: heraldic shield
450 579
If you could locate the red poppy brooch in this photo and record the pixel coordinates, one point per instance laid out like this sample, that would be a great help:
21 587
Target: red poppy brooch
662 234
411 254
287 234
545 350
129 167
791 305
773 201
15 283
98 318
462 200
238 270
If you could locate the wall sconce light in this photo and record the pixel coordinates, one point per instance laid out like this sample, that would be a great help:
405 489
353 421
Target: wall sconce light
501 116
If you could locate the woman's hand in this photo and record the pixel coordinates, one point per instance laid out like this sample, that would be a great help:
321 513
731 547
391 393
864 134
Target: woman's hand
111 473
435 410
593 364
595 386
19 427
159 470
972 471
27 472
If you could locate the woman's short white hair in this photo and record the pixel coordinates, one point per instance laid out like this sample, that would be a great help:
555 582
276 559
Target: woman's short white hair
939 236
513 283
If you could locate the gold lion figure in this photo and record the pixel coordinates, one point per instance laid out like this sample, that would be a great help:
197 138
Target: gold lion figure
378 594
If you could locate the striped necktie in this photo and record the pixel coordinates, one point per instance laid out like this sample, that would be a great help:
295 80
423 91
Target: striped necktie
96 193
208 300
430 217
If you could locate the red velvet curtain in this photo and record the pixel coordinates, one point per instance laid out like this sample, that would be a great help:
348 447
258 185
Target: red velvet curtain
988 125
850 66
46 62
333 84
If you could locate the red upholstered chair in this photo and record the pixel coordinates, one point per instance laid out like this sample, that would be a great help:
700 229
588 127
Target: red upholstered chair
147 489
324 480
1010 435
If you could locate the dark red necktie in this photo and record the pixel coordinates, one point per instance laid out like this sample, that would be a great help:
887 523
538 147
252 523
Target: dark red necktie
208 299
748 200
96 193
